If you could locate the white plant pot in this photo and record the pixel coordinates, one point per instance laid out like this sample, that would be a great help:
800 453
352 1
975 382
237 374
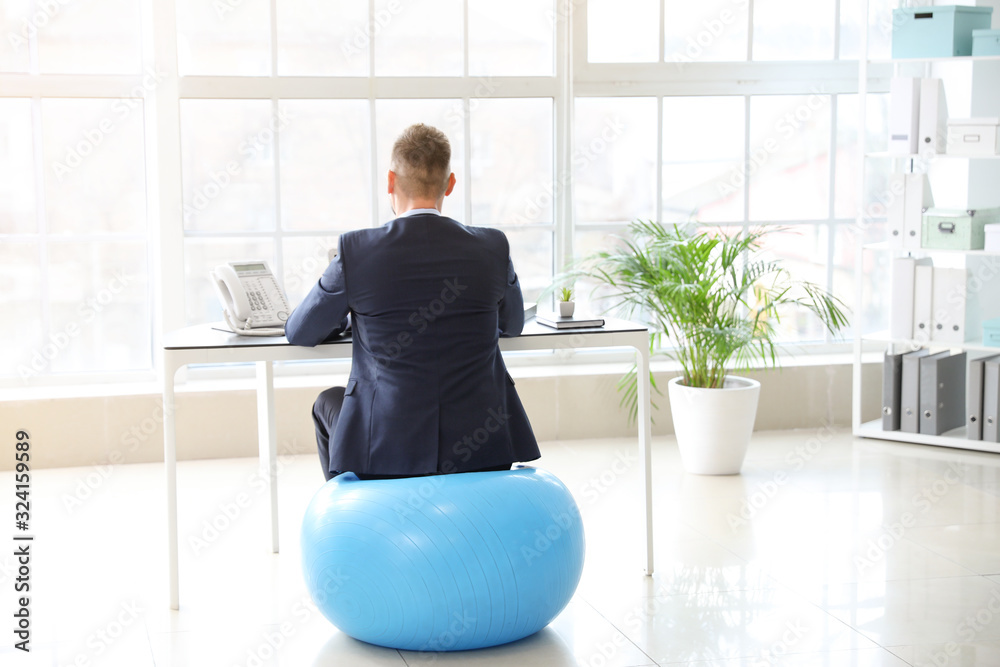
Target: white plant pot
566 308
713 426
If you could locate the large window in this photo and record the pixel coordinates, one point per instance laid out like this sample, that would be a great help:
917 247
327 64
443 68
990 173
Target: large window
139 149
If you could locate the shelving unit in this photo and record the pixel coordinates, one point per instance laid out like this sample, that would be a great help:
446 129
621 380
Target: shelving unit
982 102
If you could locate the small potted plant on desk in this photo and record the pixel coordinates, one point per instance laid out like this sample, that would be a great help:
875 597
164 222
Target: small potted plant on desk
566 304
717 301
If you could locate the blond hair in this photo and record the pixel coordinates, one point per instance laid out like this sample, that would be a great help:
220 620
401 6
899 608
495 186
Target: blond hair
421 159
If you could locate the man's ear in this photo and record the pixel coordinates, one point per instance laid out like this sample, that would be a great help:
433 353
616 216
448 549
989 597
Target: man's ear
392 182
451 184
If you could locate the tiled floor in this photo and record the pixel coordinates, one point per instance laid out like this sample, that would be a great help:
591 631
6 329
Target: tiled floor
826 551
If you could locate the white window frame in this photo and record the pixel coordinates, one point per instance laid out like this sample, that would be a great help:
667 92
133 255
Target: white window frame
573 76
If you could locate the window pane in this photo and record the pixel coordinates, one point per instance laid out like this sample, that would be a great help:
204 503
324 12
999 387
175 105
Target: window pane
16 25
94 165
531 252
305 261
586 242
703 147
802 251
201 256
418 38
100 292
394 116
790 30
711 30
875 300
23 352
326 165
617 36
323 38
880 27
511 38
227 150
17 168
789 157
876 170
614 162
512 162
224 37
89 37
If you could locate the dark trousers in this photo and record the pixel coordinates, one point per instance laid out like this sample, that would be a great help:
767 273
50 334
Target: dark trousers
325 413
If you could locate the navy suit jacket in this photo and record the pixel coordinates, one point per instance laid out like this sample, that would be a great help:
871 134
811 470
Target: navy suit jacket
428 391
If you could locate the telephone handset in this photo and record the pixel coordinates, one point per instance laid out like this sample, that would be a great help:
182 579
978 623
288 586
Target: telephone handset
252 302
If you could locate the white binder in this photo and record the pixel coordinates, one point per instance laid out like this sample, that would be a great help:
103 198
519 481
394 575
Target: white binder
901 314
917 199
932 132
896 210
948 306
904 109
963 298
923 285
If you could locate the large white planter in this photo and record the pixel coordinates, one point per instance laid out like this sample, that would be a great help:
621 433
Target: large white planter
713 426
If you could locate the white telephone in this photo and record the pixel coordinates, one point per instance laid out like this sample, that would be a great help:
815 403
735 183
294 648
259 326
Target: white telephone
252 302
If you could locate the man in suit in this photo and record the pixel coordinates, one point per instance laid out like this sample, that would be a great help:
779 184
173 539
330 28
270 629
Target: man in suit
428 299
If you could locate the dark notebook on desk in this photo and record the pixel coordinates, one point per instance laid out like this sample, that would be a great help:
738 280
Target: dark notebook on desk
557 322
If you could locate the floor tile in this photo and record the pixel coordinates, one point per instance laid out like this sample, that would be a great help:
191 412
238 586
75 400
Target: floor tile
974 546
801 560
898 613
952 654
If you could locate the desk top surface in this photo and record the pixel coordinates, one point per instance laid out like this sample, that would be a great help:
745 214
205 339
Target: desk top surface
215 335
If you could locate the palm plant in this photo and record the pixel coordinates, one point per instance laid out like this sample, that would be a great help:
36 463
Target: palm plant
711 294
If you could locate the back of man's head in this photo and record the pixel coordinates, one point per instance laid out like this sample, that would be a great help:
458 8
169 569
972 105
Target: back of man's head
421 159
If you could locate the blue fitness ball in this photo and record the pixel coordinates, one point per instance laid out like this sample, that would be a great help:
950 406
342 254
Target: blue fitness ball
443 563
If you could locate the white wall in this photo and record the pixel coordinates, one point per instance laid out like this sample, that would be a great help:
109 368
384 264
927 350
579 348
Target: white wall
97 431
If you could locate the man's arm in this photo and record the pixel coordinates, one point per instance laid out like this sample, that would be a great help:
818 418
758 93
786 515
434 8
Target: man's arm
322 315
511 305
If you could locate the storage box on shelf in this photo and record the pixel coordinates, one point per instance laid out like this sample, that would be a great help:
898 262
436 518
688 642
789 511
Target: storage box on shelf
928 32
986 42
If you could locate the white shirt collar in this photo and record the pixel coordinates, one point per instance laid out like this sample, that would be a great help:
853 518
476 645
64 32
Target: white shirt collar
421 211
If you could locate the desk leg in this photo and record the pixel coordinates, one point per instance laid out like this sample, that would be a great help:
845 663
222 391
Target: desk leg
645 437
267 440
170 461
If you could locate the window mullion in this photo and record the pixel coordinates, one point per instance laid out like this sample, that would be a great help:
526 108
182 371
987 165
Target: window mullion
41 215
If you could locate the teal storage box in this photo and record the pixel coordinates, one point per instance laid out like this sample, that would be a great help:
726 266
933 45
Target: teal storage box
937 31
955 229
991 332
986 42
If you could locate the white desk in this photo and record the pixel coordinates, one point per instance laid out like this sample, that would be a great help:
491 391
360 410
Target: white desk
204 345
